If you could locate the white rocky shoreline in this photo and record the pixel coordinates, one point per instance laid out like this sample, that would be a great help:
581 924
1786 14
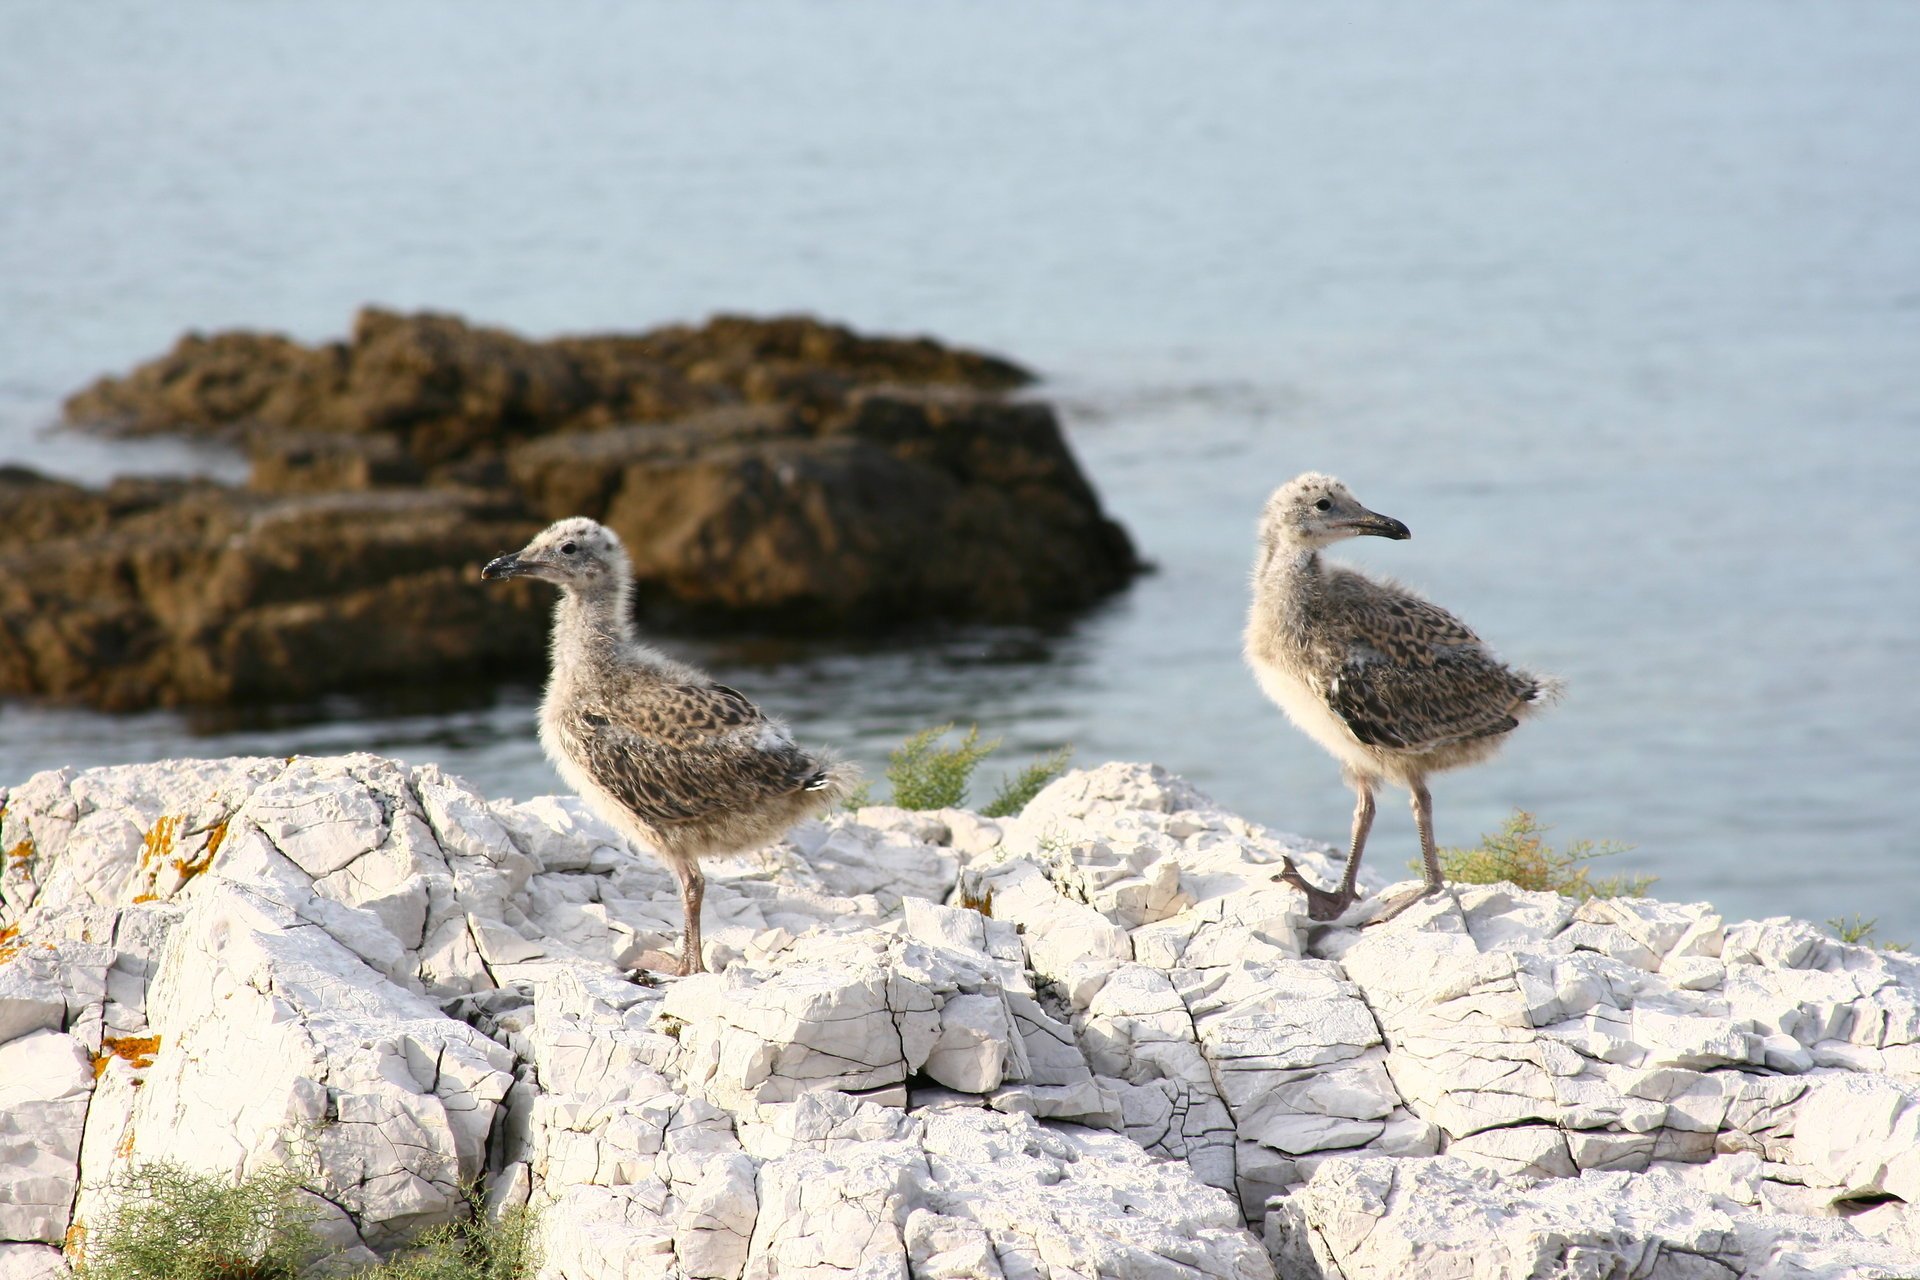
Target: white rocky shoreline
1141 1061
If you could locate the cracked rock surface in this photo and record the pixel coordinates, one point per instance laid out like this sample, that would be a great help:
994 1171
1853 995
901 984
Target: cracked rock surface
1096 1039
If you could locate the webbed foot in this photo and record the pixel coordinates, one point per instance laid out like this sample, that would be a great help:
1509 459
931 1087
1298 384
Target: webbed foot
1321 905
672 966
1400 902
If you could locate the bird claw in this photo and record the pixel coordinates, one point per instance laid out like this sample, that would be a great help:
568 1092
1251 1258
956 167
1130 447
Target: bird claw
1321 905
1399 903
672 966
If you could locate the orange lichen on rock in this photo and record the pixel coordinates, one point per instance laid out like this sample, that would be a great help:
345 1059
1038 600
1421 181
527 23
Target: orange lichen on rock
75 1243
158 853
11 944
21 854
136 1051
124 1148
191 867
157 847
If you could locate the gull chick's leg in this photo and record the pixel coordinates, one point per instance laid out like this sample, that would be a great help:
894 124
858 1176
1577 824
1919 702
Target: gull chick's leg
693 890
1322 905
1429 855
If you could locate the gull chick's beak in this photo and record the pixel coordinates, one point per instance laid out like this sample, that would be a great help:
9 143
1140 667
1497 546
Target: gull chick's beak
1375 525
508 566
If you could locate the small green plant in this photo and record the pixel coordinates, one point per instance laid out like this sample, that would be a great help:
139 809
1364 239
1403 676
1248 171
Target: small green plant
928 775
474 1248
1857 929
169 1223
1519 854
1023 786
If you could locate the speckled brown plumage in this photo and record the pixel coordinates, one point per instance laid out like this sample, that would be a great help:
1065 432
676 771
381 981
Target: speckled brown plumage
1394 686
686 759
681 764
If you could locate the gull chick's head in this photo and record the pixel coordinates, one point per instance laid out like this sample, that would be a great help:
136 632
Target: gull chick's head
576 553
1313 510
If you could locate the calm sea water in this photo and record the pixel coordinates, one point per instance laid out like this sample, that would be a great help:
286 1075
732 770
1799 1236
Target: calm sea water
1616 304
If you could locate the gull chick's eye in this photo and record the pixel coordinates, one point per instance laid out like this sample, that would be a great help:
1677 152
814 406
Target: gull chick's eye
568 548
1323 505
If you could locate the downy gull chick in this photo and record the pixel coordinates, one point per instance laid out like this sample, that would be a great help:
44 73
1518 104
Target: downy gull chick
676 762
1395 687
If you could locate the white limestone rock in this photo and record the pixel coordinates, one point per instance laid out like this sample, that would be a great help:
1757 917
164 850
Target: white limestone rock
1094 1039
31 1262
1447 1217
45 1079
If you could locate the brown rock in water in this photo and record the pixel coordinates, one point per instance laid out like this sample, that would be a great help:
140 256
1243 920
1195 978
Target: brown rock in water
446 388
905 504
779 472
327 462
169 592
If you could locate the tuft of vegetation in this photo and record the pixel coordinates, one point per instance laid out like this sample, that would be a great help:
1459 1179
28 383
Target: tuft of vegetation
925 773
169 1223
475 1248
1023 786
1856 929
1519 854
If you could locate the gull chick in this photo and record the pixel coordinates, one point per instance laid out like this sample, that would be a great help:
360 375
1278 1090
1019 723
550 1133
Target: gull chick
676 762
1395 687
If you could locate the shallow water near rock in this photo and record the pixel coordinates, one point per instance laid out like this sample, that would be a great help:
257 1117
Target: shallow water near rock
1615 307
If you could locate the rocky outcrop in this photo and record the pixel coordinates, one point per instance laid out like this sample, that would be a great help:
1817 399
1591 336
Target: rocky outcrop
779 474
447 388
1096 1039
902 504
160 592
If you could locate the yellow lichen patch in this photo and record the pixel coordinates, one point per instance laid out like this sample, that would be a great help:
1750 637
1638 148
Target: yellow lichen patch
11 944
75 1243
124 1148
21 854
158 845
191 867
136 1051
146 897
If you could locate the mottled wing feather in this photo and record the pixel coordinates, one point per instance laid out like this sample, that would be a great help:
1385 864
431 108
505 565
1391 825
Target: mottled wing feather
677 753
1396 625
1461 694
682 715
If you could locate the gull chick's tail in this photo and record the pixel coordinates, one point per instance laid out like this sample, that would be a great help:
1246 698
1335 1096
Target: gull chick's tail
1546 691
833 781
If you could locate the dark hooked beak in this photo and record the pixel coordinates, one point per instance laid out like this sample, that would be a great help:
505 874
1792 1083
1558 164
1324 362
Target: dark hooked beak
503 567
1374 525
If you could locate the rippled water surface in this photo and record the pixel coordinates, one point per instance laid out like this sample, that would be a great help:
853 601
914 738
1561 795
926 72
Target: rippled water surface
1616 304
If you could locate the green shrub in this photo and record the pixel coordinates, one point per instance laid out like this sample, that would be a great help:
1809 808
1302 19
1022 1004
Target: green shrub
170 1223
1023 786
927 775
475 1248
1519 854
1858 930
